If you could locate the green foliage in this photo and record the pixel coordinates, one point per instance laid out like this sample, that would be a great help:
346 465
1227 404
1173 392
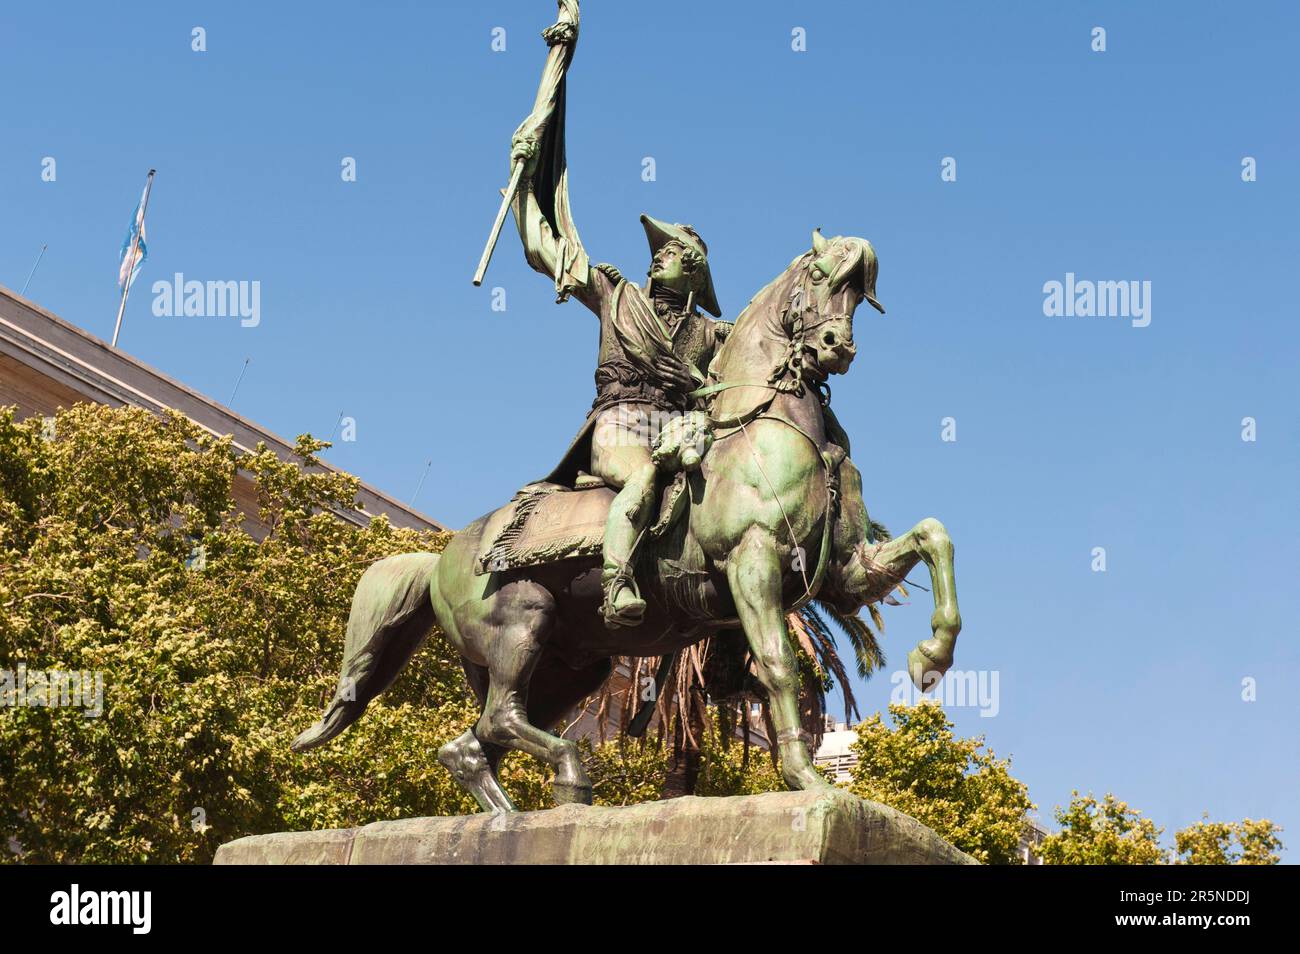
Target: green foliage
1105 833
1212 843
625 771
821 667
210 666
956 786
729 767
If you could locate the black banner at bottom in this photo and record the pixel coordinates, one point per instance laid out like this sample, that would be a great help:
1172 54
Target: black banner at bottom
339 904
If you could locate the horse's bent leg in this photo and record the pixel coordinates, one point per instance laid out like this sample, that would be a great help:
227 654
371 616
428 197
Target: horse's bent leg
513 656
553 691
473 764
470 765
928 541
754 575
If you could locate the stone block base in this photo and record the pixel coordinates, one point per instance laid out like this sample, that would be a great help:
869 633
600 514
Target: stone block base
785 827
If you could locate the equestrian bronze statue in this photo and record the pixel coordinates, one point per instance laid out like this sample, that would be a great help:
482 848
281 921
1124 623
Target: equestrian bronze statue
710 489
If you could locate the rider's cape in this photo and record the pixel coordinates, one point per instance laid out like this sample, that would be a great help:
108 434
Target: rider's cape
577 458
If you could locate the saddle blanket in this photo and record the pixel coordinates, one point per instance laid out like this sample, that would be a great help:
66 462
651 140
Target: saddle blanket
545 523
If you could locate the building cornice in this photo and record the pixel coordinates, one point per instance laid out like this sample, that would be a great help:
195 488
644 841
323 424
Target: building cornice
103 374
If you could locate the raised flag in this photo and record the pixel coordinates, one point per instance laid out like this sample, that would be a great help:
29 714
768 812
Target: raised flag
134 250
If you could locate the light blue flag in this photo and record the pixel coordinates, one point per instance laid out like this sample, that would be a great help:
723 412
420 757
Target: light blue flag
128 269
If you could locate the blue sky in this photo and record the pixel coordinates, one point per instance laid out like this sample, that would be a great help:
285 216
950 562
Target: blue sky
1072 433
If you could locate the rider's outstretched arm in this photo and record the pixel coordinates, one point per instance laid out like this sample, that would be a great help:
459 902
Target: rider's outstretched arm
559 257
540 243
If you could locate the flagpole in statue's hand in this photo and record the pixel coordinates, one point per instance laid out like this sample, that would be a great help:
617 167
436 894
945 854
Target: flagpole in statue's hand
523 152
561 37
507 196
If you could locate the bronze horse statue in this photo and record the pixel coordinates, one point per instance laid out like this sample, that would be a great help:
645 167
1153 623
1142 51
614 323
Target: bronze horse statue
773 517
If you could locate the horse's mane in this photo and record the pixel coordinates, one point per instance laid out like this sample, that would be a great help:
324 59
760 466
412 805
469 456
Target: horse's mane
776 289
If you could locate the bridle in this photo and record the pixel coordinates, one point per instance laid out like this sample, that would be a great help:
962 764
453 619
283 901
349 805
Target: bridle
800 328
793 362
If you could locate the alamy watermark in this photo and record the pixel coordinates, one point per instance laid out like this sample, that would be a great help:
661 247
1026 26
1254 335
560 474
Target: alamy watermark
974 688
133 909
179 298
1076 298
53 689
638 425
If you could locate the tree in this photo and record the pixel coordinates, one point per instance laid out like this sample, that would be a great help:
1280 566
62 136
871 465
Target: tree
730 767
1105 833
813 630
123 555
956 786
1211 843
625 771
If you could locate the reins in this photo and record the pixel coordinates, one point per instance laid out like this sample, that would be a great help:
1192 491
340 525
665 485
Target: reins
793 363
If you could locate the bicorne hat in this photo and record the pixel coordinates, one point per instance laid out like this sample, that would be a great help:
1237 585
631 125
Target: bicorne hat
660 234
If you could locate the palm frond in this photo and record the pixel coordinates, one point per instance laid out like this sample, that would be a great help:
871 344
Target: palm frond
826 657
867 650
714 681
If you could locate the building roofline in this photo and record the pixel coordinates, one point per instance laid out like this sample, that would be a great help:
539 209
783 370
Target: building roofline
91 366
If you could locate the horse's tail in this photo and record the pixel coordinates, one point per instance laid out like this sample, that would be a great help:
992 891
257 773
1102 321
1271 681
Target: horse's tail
391 616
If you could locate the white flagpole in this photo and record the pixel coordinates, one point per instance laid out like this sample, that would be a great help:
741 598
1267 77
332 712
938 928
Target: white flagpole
135 250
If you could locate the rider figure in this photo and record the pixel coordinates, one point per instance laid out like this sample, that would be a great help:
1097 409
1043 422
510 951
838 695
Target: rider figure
655 349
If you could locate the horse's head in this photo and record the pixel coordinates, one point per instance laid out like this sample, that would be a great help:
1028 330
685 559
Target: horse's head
798 329
839 273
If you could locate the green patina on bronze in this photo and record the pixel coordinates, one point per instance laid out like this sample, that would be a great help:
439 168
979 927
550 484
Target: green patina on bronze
745 506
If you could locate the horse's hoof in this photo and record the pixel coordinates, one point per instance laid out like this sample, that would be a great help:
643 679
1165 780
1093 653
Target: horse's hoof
927 663
815 783
567 793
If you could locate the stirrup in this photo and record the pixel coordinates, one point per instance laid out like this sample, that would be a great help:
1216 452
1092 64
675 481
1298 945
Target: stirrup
630 615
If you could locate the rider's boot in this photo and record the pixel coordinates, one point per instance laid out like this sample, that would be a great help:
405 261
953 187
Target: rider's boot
623 605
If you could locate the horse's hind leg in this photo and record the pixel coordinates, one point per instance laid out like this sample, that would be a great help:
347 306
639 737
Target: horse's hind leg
471 763
928 541
522 620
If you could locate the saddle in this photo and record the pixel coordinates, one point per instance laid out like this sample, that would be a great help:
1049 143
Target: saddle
548 522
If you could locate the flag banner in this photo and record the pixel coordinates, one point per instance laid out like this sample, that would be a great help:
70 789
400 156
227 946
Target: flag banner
546 124
130 264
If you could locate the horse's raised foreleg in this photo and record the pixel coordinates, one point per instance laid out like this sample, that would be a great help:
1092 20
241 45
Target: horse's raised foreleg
754 573
928 541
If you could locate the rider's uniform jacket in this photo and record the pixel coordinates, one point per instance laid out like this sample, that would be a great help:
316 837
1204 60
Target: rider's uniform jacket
633 335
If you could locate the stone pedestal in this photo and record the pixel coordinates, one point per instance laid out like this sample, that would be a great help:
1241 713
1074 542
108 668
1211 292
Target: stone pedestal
786 827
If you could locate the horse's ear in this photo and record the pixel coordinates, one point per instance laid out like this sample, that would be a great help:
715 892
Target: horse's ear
820 244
